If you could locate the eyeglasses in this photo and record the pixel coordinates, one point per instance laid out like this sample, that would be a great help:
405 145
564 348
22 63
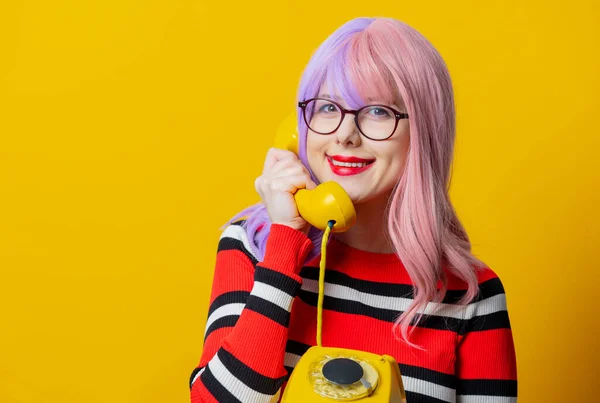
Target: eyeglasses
375 122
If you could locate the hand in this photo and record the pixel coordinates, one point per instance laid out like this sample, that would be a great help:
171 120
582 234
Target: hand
283 174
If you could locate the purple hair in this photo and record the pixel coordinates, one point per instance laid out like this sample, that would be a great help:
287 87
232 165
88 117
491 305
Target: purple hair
387 58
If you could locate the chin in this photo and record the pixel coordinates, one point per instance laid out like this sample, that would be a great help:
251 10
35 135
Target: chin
356 195
363 196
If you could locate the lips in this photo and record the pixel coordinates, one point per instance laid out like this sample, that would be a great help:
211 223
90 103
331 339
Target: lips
344 165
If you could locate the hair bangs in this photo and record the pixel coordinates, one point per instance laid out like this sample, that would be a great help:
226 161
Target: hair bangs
356 76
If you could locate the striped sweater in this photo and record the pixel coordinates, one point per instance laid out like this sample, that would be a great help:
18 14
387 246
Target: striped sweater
262 318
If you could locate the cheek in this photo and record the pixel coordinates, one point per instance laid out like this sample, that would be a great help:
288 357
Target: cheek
314 151
396 160
315 143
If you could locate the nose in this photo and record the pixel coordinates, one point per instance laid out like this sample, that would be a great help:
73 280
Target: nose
348 133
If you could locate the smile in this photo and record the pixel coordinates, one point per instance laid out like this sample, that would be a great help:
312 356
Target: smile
348 165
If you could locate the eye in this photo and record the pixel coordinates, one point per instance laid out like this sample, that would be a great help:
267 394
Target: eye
379 112
327 107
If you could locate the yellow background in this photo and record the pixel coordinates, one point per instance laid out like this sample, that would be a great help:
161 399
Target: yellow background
131 130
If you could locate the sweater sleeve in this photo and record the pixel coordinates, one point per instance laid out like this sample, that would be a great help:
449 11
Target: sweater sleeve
247 326
486 365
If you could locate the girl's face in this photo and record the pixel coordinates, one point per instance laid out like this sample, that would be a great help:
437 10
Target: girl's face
377 166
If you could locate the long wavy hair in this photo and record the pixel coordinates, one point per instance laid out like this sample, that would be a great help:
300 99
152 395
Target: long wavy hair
388 58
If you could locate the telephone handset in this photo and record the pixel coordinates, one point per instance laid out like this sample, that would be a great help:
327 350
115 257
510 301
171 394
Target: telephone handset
328 201
326 374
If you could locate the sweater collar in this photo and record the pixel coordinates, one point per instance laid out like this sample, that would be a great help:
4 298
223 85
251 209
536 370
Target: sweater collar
338 250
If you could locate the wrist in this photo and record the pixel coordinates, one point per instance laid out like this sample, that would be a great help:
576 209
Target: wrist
286 250
303 226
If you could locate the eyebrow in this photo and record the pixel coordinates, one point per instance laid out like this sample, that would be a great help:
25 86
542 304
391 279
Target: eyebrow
369 99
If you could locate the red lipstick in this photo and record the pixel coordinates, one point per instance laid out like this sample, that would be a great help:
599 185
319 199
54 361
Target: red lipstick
346 170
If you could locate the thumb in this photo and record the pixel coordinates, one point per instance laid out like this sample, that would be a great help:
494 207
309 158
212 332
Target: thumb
310 184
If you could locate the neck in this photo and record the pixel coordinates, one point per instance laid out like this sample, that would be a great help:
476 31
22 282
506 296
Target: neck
370 233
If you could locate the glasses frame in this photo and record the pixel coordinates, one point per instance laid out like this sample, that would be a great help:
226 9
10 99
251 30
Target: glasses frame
399 115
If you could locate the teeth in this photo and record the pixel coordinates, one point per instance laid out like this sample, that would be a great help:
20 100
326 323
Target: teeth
348 164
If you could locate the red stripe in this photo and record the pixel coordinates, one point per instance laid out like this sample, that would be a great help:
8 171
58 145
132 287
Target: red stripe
286 250
212 344
258 342
233 272
486 274
373 335
385 269
199 393
487 355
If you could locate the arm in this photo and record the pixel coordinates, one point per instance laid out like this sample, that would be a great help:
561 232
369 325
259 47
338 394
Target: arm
247 325
486 366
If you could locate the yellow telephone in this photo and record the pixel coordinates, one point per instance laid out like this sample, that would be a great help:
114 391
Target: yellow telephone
326 374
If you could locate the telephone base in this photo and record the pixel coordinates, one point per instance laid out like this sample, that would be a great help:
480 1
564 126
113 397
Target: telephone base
327 374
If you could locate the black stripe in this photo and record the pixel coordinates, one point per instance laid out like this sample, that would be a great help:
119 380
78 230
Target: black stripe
268 309
251 378
414 397
487 289
358 308
289 370
496 320
487 387
215 388
194 373
225 321
295 347
428 375
227 243
490 288
277 280
372 287
233 297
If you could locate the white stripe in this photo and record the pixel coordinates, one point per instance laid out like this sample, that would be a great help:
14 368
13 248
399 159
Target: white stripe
430 389
238 233
272 294
236 387
198 375
291 360
485 399
489 305
222 311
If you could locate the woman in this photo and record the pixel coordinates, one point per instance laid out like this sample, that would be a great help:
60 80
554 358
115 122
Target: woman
402 281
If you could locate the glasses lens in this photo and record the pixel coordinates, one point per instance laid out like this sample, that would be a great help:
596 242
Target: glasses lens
377 122
323 116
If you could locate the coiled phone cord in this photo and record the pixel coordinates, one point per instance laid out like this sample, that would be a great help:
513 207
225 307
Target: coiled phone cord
322 263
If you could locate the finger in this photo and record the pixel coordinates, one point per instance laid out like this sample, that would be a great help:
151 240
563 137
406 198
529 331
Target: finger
289 184
282 164
289 169
293 169
259 185
274 155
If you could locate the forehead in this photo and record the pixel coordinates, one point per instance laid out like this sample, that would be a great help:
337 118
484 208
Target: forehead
368 96
324 94
371 99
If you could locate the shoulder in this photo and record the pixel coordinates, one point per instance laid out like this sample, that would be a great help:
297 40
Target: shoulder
489 303
489 308
488 282
235 238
